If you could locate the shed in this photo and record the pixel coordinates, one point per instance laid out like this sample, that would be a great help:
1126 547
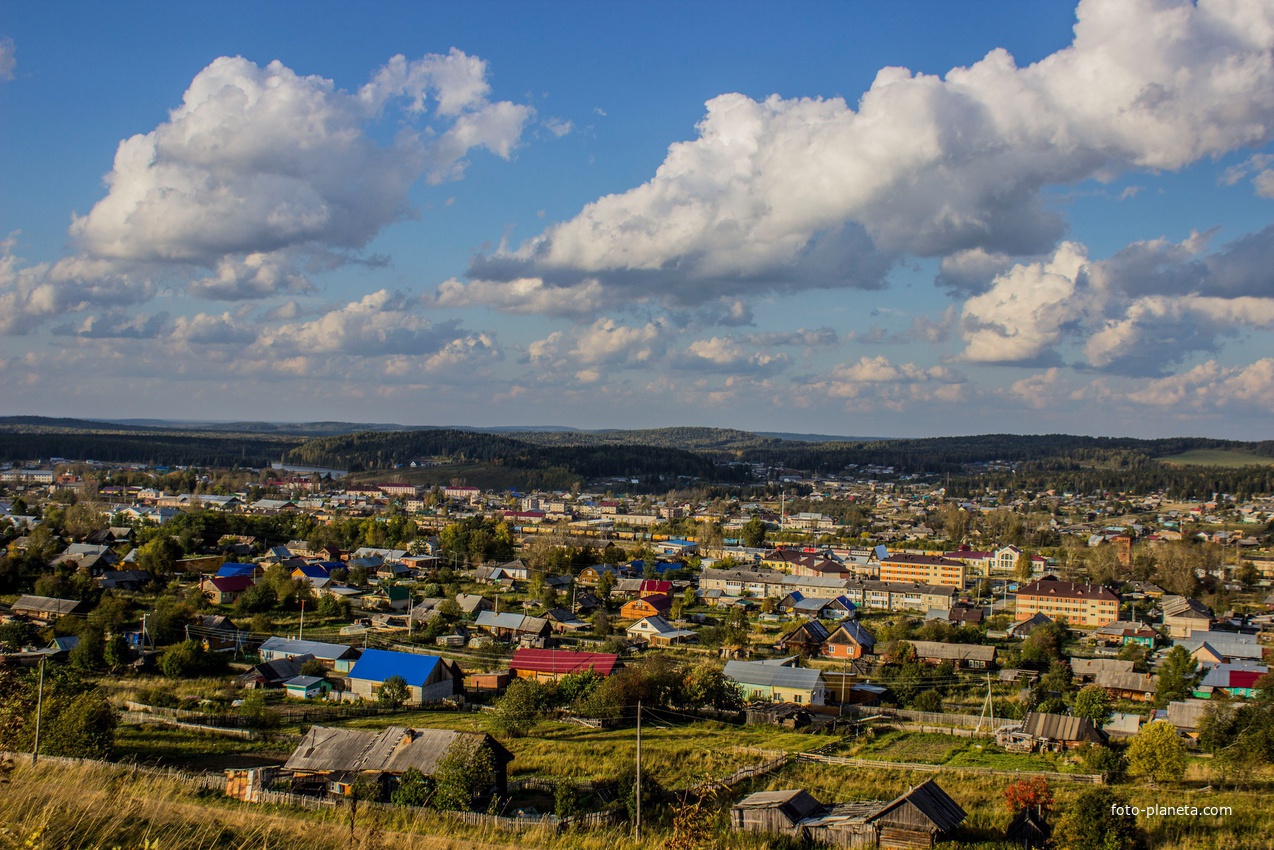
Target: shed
776 812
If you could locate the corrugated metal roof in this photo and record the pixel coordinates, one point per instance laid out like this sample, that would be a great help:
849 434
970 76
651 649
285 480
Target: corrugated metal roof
1061 727
324 651
563 661
391 750
377 665
771 675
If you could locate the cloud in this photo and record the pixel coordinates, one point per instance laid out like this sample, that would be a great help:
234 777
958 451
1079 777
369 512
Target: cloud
608 342
8 59
117 325
816 338
726 355
784 194
1209 386
1026 310
893 385
527 295
381 323
1041 390
206 329
558 127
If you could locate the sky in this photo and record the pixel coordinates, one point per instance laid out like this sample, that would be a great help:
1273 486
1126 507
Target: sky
904 218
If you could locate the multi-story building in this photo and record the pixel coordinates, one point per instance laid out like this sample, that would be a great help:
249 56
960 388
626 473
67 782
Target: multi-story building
1086 605
922 569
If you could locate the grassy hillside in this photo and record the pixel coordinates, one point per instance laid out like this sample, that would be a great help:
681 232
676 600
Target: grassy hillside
1226 458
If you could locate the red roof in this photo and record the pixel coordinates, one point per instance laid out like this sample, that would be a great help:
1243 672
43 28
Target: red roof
656 586
563 661
1244 678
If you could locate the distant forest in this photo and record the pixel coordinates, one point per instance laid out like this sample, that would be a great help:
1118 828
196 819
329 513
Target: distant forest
658 456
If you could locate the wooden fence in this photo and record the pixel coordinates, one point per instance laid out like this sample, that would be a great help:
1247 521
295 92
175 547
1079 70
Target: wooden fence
1090 778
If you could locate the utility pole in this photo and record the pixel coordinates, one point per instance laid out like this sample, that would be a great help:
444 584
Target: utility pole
638 769
300 635
39 711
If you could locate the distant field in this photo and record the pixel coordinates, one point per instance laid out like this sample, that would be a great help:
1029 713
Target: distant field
1218 457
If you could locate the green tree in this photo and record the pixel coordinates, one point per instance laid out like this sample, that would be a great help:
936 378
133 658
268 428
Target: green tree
1023 569
393 692
189 659
1093 703
1156 752
753 533
1094 821
414 789
521 707
159 556
89 653
707 687
1177 677
464 775
76 722
605 584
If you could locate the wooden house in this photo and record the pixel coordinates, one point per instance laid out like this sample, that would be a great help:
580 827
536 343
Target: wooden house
847 641
648 606
807 638
774 812
332 759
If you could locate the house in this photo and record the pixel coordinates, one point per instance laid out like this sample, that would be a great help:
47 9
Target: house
1186 715
1239 680
774 812
45 610
778 680
1085 605
563 621
648 606
230 568
1139 687
1042 731
272 674
972 656
335 757
429 677
848 641
1023 628
225 590
807 638
920 817
394 597
471 604
1182 617
217 632
123 579
657 631
509 626
1123 632
1220 647
1088 669
549 665
336 657
307 687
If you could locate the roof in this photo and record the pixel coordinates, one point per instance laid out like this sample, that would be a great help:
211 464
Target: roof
925 560
953 651
392 750
563 661
796 804
377 665
1061 727
851 631
773 675
44 604
321 651
1140 682
233 569
931 801
513 622
231 584
302 681
1049 586
1091 667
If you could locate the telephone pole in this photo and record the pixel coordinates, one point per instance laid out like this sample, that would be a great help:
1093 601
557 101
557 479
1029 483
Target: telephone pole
638 769
39 711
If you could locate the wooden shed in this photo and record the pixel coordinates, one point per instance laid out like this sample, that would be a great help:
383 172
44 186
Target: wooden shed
918 818
776 812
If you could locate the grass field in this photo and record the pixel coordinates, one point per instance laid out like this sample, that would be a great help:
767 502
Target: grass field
1229 458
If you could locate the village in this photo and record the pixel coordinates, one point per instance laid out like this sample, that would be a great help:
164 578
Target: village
854 660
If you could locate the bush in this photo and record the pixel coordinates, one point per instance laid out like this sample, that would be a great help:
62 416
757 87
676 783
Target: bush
1090 822
189 659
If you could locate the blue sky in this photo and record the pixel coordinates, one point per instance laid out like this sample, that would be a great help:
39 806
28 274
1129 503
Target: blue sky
905 218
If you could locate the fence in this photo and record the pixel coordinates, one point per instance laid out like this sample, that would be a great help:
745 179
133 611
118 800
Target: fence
741 775
134 718
291 714
1090 778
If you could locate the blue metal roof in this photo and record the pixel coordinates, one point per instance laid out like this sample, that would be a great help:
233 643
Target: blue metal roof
233 569
377 665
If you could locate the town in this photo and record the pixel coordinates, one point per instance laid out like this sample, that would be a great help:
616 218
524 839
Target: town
856 659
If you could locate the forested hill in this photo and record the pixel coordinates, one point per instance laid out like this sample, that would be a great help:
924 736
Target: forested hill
374 450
